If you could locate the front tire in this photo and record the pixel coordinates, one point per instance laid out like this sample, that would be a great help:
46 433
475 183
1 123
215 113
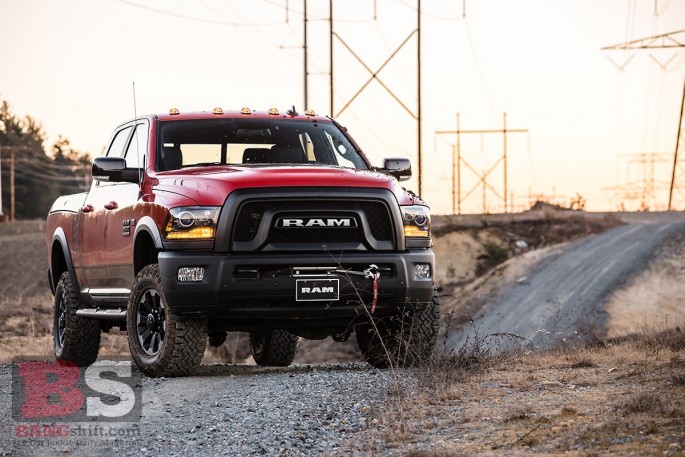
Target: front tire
76 339
273 348
424 331
401 340
161 343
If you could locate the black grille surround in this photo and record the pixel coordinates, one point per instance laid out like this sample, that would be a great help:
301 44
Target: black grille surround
248 221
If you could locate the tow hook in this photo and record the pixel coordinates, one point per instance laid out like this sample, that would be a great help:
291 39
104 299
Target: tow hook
373 273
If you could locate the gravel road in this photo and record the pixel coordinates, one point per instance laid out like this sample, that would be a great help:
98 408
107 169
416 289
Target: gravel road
228 410
564 294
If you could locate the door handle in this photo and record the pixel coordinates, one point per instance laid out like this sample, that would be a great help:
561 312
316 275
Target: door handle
112 205
87 208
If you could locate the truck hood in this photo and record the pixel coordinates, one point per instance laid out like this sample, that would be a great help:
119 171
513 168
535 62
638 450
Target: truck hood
211 185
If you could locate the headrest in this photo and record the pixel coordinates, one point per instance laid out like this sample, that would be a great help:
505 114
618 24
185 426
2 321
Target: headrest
256 155
172 158
287 154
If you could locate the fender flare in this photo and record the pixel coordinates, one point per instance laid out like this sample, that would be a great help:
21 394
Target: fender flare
60 237
148 225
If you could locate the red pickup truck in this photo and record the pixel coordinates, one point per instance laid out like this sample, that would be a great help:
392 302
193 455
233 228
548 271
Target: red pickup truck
271 223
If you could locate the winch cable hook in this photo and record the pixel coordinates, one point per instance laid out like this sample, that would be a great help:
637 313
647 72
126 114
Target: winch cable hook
373 273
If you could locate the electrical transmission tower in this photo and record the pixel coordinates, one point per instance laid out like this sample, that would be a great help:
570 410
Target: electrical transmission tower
414 110
666 41
642 193
458 160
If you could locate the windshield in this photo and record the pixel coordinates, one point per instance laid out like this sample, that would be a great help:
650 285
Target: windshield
254 142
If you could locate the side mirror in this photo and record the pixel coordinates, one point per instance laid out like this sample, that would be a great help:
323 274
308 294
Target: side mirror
113 169
397 167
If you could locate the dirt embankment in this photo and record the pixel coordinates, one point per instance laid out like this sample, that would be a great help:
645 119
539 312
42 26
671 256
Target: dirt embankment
479 256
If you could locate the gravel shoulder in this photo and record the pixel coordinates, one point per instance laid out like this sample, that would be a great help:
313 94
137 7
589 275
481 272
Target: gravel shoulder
230 410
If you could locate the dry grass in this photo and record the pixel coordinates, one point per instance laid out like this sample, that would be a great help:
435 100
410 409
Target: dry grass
656 297
627 397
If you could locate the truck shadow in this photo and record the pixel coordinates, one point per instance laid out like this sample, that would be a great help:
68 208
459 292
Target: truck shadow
222 370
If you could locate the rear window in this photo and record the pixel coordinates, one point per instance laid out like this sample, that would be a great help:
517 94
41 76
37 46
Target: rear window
255 142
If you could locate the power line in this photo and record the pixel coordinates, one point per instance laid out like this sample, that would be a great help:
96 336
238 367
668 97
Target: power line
432 15
50 164
198 19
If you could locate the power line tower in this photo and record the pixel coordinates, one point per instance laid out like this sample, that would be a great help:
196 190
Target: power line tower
666 41
641 193
415 111
483 177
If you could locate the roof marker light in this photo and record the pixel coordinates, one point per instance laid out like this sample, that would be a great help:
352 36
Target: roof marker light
273 112
174 112
245 110
310 112
218 110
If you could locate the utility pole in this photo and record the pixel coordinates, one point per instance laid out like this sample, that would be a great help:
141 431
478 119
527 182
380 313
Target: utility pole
306 65
457 198
419 124
2 130
330 54
11 184
679 143
12 150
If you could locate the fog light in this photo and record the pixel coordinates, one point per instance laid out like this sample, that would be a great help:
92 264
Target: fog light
422 271
191 274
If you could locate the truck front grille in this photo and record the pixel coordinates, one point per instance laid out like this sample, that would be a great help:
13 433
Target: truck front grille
254 216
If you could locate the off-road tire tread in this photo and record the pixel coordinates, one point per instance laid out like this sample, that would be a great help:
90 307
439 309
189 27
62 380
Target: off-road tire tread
82 336
376 354
424 331
188 336
279 350
406 340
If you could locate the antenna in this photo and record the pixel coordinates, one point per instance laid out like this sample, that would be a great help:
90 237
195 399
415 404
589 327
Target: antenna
135 135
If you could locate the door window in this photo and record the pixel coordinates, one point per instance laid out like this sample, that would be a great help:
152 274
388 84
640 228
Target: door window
116 148
137 148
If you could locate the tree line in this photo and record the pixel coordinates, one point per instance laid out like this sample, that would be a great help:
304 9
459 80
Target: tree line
40 175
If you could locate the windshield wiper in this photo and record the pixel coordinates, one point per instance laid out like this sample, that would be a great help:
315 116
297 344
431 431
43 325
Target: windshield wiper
202 164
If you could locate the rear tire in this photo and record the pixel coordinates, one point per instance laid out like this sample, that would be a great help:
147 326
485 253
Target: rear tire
76 339
273 348
161 343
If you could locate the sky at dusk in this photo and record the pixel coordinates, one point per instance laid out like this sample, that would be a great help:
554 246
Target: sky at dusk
71 65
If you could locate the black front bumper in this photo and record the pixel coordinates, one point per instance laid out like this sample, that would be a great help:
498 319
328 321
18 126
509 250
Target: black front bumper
253 290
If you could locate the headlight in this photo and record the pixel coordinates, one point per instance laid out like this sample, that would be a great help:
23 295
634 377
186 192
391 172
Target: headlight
192 223
417 221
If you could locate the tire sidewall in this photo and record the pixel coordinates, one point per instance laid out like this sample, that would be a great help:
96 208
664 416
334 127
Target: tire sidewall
81 336
148 279
60 296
